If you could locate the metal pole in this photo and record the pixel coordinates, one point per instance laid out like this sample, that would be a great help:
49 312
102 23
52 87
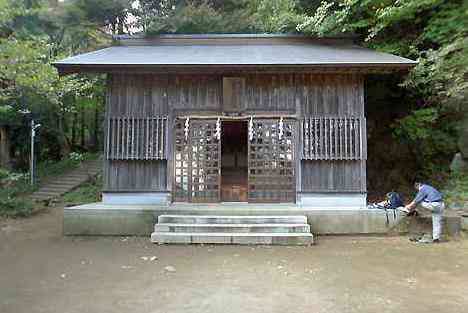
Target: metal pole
33 131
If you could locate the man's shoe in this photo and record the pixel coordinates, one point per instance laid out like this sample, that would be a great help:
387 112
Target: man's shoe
416 238
427 240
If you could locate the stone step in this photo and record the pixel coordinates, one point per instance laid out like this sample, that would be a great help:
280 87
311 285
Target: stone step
238 219
78 176
39 199
84 172
43 198
48 189
232 228
234 238
71 180
41 192
45 194
60 184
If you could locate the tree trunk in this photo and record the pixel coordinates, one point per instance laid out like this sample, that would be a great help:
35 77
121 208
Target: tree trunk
82 128
121 24
5 160
96 128
63 143
73 130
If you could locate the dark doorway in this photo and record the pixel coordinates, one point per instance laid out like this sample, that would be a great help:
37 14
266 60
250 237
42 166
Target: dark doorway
234 162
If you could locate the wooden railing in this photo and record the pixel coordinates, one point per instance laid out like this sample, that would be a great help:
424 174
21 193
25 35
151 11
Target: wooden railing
136 138
333 138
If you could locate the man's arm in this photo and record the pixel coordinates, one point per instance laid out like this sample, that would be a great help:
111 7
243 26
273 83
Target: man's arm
411 206
419 197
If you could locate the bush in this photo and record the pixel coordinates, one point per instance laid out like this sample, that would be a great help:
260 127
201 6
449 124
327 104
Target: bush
3 173
13 187
15 207
456 189
76 156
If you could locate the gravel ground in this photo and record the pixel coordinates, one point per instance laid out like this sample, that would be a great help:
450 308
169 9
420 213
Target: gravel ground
42 271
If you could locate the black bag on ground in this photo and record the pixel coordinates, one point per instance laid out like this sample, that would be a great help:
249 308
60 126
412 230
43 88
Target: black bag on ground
394 200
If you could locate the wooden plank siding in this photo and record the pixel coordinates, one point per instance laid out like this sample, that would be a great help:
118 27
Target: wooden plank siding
331 176
135 96
326 96
172 95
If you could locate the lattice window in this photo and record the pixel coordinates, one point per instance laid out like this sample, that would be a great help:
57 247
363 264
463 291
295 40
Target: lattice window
333 138
197 161
271 161
136 138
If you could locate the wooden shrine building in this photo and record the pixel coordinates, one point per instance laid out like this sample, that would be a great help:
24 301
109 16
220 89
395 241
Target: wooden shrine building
201 119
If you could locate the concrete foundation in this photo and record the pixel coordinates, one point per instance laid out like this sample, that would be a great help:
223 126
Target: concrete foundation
333 200
125 198
464 225
106 219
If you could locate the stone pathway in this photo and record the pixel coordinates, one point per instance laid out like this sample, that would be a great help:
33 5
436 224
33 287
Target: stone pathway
56 186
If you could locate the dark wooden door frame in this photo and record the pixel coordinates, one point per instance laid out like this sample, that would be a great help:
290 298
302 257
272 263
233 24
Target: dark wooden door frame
272 162
276 169
197 162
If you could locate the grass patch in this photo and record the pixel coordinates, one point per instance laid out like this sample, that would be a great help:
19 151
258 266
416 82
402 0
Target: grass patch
13 202
15 207
86 193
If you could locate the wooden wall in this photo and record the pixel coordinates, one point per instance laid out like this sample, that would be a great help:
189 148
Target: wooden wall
136 96
143 95
331 94
332 176
341 95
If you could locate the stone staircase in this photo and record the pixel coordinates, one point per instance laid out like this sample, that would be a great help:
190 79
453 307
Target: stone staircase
242 229
55 187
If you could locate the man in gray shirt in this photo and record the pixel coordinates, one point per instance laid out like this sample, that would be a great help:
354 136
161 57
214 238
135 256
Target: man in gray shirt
431 199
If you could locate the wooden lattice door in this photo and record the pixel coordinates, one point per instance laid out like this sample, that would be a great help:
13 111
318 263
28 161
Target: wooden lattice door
272 161
197 157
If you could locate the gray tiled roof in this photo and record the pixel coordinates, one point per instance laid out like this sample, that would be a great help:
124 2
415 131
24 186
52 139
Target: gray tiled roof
232 50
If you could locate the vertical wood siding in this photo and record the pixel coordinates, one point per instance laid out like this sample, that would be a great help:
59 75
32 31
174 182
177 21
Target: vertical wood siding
270 93
333 95
145 95
135 175
139 97
331 176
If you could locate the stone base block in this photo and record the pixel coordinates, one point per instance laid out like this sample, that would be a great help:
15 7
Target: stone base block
452 225
132 198
104 219
333 200
101 219
464 221
364 221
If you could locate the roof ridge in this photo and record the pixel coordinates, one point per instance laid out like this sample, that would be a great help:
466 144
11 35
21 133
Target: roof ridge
231 36
228 39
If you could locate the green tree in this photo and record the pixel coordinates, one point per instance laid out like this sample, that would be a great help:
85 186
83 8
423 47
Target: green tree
432 31
31 37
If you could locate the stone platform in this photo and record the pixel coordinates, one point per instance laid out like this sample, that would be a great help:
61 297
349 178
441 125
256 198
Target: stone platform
113 219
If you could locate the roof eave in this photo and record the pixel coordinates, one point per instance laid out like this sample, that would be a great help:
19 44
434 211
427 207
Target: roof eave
69 68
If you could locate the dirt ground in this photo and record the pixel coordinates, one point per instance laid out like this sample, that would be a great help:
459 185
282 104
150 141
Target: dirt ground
42 271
